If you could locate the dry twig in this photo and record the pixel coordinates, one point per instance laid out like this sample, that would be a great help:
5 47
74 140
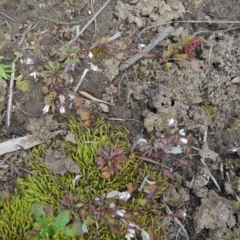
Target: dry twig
10 94
5 15
148 48
87 25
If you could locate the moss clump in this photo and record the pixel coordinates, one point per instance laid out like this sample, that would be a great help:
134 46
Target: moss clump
45 188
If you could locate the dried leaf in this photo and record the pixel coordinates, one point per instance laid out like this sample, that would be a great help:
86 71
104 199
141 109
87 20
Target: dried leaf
104 107
95 44
133 33
197 100
183 162
168 173
152 190
147 55
106 175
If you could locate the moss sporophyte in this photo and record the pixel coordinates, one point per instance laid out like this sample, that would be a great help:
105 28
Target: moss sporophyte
51 206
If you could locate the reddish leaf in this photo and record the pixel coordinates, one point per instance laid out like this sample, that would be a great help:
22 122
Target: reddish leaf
183 162
114 228
168 173
191 140
96 44
147 55
133 33
151 234
169 139
152 190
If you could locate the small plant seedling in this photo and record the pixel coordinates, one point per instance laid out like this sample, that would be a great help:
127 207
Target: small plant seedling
182 50
49 227
5 70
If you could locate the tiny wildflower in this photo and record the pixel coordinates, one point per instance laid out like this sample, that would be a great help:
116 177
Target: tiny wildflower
90 54
62 110
130 234
233 150
30 61
141 46
170 122
34 74
95 68
182 132
124 196
120 213
183 140
46 108
61 98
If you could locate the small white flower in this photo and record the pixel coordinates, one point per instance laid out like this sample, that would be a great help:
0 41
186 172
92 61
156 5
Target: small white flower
124 196
233 150
130 234
170 122
182 132
34 74
183 140
30 61
90 54
93 67
46 108
120 213
62 110
141 46
61 98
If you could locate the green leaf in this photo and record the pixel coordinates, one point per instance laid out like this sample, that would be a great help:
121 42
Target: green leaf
23 85
39 214
46 232
74 229
1 46
61 221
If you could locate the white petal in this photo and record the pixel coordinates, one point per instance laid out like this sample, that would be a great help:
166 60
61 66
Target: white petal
112 194
115 36
173 150
183 140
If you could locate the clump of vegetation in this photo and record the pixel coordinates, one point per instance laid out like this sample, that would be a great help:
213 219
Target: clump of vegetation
182 50
48 206
57 72
5 70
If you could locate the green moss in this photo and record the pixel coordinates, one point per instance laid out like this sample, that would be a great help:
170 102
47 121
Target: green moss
210 112
46 188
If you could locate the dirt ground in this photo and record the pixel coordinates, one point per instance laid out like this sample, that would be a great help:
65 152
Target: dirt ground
201 93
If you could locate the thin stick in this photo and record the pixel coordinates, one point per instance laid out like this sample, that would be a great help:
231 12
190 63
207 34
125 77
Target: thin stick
213 179
95 20
86 70
87 25
168 210
29 114
10 94
5 15
65 23
187 21
148 48
210 51
119 84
